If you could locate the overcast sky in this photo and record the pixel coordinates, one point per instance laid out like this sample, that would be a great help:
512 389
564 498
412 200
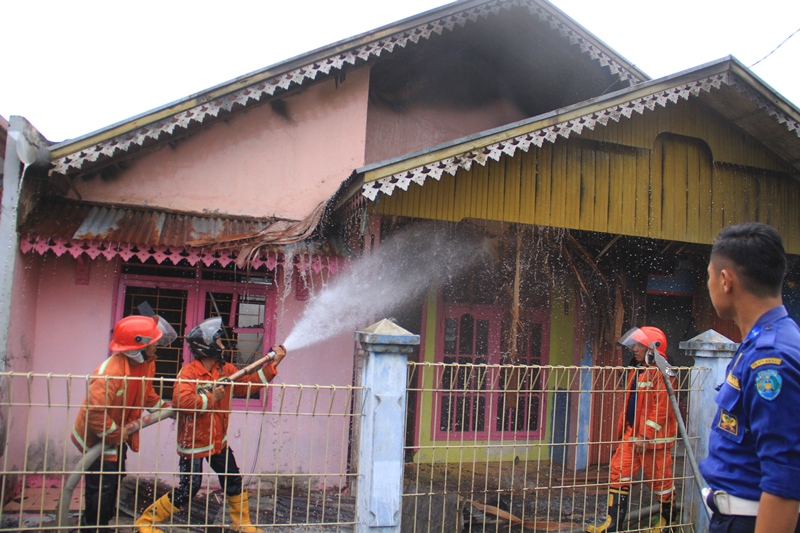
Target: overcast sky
75 66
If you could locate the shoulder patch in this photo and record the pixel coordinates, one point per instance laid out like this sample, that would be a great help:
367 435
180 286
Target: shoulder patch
766 361
728 422
733 381
768 384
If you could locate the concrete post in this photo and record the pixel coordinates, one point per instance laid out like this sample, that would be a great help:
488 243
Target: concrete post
382 435
713 351
24 147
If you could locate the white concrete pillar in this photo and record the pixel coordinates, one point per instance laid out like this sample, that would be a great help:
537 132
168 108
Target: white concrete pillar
713 351
382 435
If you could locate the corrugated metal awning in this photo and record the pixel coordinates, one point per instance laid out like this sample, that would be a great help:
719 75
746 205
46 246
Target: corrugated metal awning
66 219
74 227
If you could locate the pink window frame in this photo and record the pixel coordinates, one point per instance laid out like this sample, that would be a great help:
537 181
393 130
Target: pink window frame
196 289
495 314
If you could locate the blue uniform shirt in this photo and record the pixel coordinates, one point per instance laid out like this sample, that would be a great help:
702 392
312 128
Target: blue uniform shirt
754 445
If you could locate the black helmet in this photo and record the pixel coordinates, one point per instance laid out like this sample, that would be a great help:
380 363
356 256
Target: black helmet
202 340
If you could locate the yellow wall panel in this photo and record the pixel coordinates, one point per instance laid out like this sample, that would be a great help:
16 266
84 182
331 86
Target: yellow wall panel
628 204
572 185
529 179
616 177
587 196
601 175
642 191
543 182
558 189
690 118
674 190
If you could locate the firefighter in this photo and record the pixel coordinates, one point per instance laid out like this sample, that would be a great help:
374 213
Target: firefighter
118 391
203 426
648 429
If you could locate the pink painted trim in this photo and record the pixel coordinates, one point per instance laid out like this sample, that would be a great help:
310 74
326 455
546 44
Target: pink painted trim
303 261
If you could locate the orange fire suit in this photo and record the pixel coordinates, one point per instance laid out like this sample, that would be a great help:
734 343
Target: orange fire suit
114 401
654 423
203 423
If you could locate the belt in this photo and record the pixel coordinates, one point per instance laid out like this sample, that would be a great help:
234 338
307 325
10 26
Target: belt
728 504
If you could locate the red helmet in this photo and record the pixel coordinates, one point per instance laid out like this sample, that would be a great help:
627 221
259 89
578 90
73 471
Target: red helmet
134 333
651 337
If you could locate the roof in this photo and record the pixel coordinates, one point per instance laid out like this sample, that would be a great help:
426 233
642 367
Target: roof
163 123
61 224
725 85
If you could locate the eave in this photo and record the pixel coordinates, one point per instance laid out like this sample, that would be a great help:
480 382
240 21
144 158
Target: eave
163 123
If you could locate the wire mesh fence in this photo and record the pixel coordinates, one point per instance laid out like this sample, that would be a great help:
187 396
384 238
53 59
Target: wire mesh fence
291 449
512 448
488 448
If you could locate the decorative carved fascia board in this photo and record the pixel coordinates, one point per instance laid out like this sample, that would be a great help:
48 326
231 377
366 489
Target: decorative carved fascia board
299 76
302 261
771 109
451 165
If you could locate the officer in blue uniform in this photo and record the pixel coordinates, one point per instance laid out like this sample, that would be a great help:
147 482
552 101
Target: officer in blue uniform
753 463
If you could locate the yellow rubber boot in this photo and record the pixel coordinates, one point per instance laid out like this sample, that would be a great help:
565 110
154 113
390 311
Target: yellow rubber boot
157 512
664 519
240 514
617 511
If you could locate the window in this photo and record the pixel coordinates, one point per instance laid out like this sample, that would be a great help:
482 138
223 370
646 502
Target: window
242 310
476 397
520 408
169 303
186 295
469 341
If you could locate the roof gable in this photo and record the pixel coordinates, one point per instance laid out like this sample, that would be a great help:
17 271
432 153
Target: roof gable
160 125
744 99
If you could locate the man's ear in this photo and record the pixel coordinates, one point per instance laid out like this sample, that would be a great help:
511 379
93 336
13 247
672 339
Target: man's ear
729 279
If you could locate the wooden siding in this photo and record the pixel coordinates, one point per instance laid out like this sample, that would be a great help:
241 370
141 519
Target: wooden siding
674 190
690 118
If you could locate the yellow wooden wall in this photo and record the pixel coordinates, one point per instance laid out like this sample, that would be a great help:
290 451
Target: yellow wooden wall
674 188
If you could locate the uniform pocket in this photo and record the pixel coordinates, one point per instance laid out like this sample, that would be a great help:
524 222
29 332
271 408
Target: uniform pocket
727 420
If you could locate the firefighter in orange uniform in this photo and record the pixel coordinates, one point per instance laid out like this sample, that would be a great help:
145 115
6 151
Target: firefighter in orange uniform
203 427
118 392
648 430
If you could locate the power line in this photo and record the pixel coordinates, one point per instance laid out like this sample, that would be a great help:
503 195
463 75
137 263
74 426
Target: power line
769 54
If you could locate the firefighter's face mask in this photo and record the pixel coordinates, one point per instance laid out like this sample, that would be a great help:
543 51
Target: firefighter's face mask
135 355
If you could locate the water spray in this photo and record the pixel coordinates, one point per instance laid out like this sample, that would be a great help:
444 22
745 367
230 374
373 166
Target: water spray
402 268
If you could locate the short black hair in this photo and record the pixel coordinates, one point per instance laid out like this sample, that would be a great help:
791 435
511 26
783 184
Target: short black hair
757 253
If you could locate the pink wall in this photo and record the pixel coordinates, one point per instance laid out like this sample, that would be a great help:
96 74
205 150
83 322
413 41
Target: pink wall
269 442
258 163
390 134
72 328
57 328
19 358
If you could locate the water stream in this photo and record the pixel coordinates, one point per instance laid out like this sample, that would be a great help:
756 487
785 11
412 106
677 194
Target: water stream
401 269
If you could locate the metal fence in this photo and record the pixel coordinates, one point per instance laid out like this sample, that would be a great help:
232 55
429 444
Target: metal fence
507 448
292 446
488 448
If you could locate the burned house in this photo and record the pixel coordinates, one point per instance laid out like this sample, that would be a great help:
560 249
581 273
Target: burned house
593 191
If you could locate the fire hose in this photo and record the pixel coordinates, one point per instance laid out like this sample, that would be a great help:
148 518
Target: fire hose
147 419
663 366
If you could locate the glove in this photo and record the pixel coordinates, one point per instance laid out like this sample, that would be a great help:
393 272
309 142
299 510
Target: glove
280 353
